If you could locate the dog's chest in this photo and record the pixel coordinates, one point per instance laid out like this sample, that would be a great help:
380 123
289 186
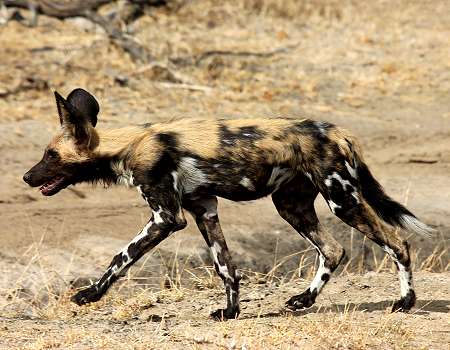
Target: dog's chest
124 175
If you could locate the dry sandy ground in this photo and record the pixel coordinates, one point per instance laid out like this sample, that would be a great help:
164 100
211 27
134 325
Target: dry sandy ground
380 69
351 314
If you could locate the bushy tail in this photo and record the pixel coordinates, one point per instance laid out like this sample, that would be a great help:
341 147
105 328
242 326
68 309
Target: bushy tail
389 210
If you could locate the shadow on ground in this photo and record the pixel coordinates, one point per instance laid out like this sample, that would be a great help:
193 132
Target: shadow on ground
422 307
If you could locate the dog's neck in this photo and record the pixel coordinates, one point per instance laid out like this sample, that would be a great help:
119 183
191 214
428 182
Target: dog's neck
117 143
115 148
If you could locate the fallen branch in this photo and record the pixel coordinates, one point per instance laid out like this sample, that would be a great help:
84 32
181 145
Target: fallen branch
29 83
120 39
185 86
208 54
58 9
87 9
422 161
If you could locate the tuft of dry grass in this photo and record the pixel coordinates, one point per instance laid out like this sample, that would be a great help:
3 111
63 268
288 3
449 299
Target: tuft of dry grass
134 316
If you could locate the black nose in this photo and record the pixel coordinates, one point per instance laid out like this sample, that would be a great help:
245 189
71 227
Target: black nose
27 178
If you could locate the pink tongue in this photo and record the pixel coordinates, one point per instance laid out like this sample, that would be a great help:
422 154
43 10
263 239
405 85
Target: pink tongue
50 185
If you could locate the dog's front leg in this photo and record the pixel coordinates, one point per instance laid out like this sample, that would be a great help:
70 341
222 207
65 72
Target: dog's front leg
164 221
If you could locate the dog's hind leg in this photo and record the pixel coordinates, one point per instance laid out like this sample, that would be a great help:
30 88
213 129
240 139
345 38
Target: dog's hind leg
295 203
341 189
204 211
364 219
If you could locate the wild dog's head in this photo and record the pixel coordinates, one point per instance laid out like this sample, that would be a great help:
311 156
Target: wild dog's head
67 158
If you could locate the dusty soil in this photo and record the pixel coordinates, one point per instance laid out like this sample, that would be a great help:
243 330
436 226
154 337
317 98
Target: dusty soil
351 314
378 68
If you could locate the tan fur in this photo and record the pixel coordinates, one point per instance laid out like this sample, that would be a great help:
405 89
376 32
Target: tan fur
202 137
67 149
271 126
192 134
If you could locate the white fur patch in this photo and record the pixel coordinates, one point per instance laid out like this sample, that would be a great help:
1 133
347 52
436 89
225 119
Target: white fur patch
175 180
412 224
141 234
345 183
124 175
247 183
318 282
391 253
279 176
223 270
333 206
352 171
233 296
321 126
216 248
190 177
157 216
404 275
338 177
356 196
405 280
211 208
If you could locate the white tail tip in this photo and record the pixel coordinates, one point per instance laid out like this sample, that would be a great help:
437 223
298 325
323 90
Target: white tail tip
410 223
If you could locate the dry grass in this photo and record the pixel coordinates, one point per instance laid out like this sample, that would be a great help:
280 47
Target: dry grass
135 316
128 322
348 330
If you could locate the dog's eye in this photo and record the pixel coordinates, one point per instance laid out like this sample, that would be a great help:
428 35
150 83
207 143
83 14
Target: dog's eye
52 154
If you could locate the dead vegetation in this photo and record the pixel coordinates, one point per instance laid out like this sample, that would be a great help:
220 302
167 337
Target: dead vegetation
171 309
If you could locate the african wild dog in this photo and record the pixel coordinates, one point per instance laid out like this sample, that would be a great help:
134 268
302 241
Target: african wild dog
185 165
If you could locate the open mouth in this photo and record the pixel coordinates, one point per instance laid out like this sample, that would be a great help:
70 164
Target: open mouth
53 186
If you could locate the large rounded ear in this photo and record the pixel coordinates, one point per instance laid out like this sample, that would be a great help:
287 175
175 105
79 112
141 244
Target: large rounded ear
85 103
77 118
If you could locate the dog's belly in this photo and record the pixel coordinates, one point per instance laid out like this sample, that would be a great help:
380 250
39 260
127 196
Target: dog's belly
234 183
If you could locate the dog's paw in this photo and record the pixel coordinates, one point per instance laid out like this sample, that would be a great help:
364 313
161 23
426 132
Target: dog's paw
88 295
225 314
405 303
301 301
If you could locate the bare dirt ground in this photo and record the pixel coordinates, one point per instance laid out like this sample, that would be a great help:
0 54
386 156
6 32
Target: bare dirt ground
379 68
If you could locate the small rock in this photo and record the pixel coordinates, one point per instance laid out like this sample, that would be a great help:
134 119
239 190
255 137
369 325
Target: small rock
84 24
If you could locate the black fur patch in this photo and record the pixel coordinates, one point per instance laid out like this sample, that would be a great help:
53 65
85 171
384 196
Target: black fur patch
302 301
325 277
341 196
389 210
319 132
117 261
168 139
164 166
405 303
133 249
97 170
247 134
